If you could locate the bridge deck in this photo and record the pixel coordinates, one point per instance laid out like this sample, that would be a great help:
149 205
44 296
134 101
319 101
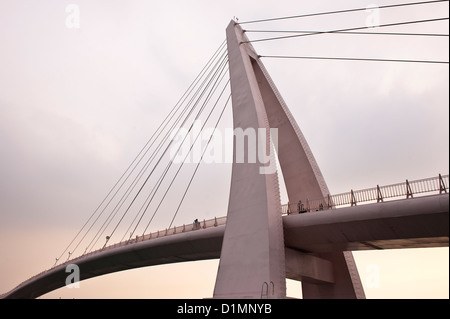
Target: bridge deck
412 223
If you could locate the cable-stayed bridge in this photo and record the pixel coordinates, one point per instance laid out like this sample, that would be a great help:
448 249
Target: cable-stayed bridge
406 221
259 247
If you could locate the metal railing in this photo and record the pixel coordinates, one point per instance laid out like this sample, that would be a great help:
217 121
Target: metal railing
377 194
162 233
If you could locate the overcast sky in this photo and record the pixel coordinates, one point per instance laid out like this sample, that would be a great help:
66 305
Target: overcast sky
79 99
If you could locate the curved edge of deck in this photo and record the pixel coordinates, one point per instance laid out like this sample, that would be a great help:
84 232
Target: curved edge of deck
202 244
412 223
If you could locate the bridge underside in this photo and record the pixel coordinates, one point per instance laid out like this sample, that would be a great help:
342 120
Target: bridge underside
414 223
310 240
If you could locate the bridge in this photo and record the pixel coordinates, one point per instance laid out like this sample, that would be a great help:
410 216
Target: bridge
260 242
412 218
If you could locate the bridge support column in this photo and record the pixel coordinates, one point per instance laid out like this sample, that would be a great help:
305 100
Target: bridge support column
325 276
308 268
347 283
252 257
253 252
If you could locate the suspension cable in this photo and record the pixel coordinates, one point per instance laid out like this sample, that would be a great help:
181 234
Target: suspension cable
173 179
170 163
162 176
353 32
352 59
125 196
342 11
131 187
347 29
198 164
141 188
134 164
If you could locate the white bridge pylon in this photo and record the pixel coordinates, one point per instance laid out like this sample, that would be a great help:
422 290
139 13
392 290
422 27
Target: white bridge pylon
253 257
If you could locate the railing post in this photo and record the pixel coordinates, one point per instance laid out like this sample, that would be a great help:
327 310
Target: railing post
353 199
379 194
330 205
408 190
442 187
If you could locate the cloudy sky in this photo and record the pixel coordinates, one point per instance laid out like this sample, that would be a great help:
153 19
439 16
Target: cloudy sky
80 96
